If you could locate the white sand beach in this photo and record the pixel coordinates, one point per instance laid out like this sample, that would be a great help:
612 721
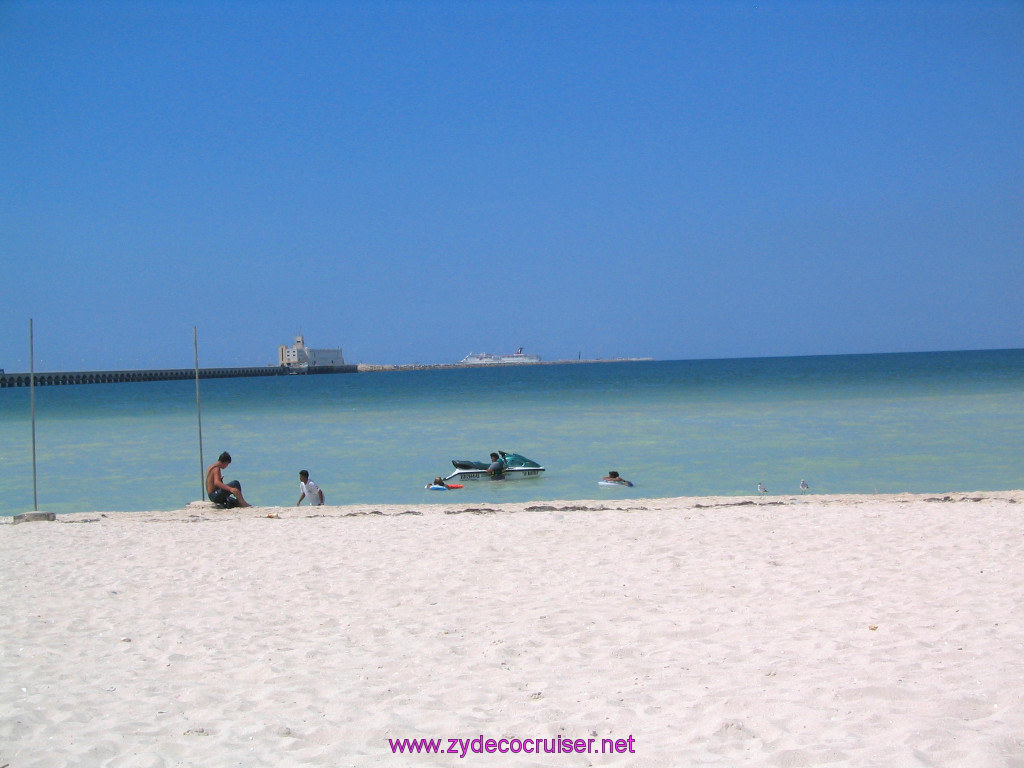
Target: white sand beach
783 631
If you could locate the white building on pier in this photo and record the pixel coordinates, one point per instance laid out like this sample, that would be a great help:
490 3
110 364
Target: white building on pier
301 356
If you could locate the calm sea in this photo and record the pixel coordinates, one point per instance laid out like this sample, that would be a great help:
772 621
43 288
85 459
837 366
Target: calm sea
924 423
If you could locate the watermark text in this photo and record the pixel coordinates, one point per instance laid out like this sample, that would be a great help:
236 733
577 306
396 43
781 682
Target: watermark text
557 745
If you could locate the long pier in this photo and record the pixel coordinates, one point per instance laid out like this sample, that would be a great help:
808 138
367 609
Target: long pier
59 378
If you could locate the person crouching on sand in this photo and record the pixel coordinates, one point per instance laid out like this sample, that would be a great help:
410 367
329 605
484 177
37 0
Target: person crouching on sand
224 495
309 490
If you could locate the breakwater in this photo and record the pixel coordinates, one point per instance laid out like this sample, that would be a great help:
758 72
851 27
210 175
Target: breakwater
60 378
367 367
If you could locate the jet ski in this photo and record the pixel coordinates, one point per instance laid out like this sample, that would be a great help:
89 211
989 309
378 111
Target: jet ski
515 466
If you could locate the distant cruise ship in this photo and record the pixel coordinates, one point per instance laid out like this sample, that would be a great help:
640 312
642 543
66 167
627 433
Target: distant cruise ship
482 358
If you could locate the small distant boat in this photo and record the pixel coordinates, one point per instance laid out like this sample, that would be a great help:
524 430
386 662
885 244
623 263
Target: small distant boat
516 468
483 358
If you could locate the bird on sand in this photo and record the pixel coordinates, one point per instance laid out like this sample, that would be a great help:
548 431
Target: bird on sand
761 488
804 487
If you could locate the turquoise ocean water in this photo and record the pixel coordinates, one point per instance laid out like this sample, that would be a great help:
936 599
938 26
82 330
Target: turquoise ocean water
923 423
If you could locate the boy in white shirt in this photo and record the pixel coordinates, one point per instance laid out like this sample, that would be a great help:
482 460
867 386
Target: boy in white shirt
310 490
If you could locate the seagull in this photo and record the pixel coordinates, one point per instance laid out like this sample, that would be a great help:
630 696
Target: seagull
761 488
804 486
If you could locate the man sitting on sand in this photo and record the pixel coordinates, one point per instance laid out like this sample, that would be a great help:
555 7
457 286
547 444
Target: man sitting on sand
309 490
224 495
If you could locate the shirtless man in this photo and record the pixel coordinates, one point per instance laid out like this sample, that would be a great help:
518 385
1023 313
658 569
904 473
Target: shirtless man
224 495
613 477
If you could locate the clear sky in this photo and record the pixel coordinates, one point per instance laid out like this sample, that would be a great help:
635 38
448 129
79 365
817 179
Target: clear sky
414 181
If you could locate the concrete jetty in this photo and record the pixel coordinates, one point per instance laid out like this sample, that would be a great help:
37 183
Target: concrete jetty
58 378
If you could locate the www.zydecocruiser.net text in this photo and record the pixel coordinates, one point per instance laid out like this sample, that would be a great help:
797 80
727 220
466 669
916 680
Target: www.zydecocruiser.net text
480 745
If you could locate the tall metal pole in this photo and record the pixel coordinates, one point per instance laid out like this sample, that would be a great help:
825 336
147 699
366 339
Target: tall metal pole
32 398
199 417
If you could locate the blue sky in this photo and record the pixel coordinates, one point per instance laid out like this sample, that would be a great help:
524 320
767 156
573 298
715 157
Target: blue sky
414 181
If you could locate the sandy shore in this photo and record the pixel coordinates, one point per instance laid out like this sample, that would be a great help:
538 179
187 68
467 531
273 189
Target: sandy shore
785 631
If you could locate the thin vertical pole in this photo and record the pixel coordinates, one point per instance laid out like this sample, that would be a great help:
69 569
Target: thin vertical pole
199 416
32 398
